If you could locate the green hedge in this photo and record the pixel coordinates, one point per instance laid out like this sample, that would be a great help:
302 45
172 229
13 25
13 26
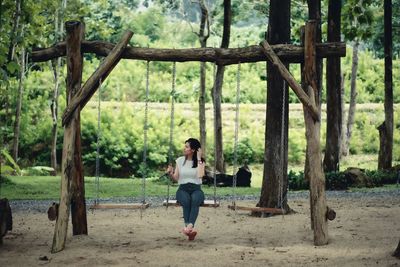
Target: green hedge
341 181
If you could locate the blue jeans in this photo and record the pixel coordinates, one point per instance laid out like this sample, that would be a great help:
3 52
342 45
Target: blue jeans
190 196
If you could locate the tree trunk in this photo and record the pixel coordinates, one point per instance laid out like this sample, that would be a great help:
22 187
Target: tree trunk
54 116
386 146
333 92
202 97
14 31
313 153
217 92
17 121
274 186
75 33
314 13
396 253
353 101
343 131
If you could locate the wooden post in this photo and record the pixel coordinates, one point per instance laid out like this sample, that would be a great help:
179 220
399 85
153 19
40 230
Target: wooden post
313 154
68 165
74 81
101 73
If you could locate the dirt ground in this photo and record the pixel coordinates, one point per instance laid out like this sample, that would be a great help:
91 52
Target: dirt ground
365 233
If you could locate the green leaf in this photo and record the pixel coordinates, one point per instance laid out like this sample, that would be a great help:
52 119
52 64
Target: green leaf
12 67
10 160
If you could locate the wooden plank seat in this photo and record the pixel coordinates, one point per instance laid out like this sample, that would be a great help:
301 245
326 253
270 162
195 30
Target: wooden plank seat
131 206
256 209
206 203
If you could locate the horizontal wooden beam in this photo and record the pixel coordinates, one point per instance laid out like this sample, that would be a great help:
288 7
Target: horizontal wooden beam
131 206
223 56
206 203
256 209
89 88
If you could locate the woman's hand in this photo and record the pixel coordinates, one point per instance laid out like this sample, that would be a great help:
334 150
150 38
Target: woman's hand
199 154
170 170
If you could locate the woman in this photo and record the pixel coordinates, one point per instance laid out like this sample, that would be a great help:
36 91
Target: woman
189 171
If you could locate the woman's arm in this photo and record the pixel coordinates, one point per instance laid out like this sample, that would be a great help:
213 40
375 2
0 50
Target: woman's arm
200 169
174 175
200 165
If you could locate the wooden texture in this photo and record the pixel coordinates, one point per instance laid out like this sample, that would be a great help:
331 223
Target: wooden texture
386 146
52 212
101 73
5 218
207 203
313 153
77 186
74 70
333 91
274 59
257 209
130 206
276 130
222 56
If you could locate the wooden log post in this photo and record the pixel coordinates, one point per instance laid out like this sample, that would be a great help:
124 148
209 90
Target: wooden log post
396 253
101 73
74 76
313 153
74 81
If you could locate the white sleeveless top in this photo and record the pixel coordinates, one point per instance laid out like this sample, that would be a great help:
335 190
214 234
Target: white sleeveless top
187 174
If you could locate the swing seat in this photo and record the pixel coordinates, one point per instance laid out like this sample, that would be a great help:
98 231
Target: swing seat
256 209
206 203
129 206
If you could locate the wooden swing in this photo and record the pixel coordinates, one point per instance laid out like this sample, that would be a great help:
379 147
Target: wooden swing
143 204
173 202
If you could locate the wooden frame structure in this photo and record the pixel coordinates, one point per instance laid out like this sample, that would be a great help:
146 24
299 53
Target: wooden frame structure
75 46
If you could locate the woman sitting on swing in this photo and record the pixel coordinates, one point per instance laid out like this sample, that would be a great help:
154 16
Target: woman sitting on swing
189 171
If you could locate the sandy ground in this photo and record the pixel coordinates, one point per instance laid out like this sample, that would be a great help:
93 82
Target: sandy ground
365 233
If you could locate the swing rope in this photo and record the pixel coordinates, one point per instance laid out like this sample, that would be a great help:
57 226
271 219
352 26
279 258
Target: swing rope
280 180
145 128
98 145
171 128
236 136
215 140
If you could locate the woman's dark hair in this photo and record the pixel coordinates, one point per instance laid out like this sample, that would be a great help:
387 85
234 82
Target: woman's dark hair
194 144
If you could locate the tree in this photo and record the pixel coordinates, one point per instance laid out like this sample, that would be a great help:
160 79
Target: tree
386 128
56 66
11 54
203 35
217 92
274 186
357 17
333 92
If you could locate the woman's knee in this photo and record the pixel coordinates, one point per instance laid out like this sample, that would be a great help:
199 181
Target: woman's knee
183 197
197 197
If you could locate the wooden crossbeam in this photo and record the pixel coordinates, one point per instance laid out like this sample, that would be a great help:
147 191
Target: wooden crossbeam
223 56
256 209
207 203
101 73
131 206
303 97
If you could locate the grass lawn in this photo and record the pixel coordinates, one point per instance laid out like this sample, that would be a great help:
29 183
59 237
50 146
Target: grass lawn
47 187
